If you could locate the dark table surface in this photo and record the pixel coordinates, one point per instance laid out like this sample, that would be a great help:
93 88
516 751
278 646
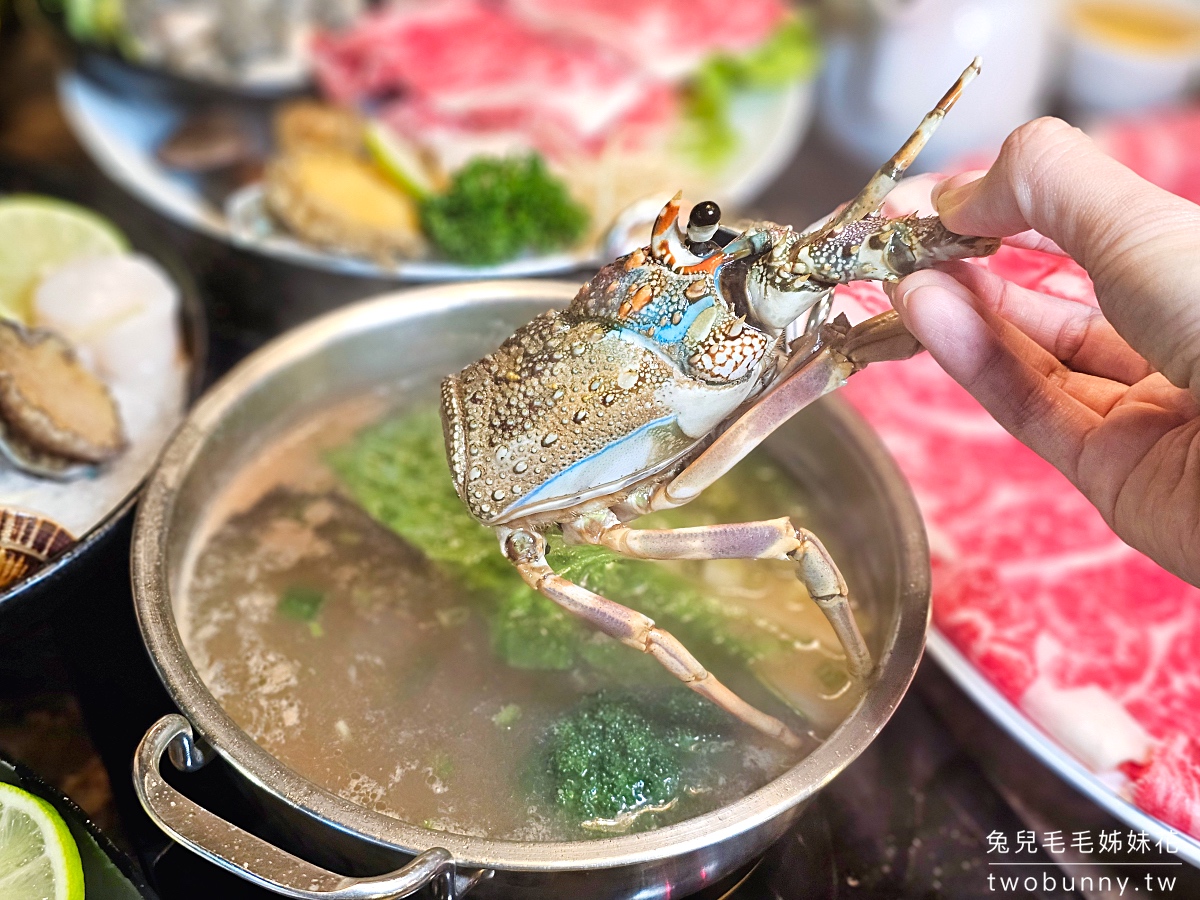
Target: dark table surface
913 817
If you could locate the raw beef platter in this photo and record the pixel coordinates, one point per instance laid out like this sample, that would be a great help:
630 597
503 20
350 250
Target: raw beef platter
1089 638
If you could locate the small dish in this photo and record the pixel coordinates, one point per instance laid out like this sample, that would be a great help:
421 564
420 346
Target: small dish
31 600
108 873
1125 56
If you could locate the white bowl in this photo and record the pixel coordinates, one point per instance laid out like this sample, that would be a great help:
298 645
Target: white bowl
1104 74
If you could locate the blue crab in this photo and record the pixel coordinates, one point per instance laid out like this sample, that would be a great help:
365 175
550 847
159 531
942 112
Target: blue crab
668 367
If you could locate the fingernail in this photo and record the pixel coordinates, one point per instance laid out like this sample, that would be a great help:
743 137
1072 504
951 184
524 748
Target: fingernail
896 294
954 191
950 199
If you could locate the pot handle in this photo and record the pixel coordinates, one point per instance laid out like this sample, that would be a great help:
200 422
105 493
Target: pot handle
262 863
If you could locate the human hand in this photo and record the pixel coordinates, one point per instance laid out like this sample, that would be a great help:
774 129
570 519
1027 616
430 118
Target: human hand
1110 397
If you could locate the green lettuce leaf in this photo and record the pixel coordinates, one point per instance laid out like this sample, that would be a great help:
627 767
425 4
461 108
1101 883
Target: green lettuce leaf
791 53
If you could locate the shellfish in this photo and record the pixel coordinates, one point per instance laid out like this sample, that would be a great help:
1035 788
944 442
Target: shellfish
57 419
27 542
335 200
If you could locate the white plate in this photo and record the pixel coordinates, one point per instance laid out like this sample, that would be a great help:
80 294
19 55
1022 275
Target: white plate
1045 748
121 133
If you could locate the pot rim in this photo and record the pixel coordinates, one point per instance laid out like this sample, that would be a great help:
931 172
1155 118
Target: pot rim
898 661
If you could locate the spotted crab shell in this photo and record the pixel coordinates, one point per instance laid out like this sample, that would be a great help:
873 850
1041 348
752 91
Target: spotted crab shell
582 404
27 542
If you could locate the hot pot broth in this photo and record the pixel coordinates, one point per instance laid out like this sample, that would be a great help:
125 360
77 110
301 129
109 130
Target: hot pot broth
348 613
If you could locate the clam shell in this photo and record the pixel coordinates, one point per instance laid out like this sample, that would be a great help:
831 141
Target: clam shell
27 542
208 141
24 457
56 414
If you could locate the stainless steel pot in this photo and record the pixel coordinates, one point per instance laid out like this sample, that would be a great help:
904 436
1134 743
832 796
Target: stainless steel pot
863 508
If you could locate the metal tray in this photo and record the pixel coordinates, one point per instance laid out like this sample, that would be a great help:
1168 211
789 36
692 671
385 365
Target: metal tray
1002 711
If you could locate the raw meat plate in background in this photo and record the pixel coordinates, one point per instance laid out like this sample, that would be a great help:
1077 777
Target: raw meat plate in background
604 104
1081 647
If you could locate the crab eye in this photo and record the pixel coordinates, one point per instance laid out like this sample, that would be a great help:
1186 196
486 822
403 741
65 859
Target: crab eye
703 222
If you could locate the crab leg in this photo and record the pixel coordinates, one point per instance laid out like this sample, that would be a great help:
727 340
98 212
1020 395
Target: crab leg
772 539
882 182
843 351
856 243
527 551
819 315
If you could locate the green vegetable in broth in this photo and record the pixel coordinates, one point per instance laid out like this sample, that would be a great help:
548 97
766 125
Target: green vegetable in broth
397 472
691 720
529 632
508 716
606 759
301 603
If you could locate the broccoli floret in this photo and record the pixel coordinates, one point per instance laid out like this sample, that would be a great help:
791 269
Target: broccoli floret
496 209
606 758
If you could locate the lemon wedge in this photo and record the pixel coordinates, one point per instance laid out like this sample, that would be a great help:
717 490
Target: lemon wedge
399 160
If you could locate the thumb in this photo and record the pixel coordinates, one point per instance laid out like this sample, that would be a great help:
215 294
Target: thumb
1137 241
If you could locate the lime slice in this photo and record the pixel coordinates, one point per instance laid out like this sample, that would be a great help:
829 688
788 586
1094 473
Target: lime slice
38 856
38 234
399 160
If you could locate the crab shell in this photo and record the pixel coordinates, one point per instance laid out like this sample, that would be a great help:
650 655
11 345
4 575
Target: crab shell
585 403
27 542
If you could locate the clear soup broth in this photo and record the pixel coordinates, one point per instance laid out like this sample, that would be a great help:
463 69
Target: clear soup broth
348 613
